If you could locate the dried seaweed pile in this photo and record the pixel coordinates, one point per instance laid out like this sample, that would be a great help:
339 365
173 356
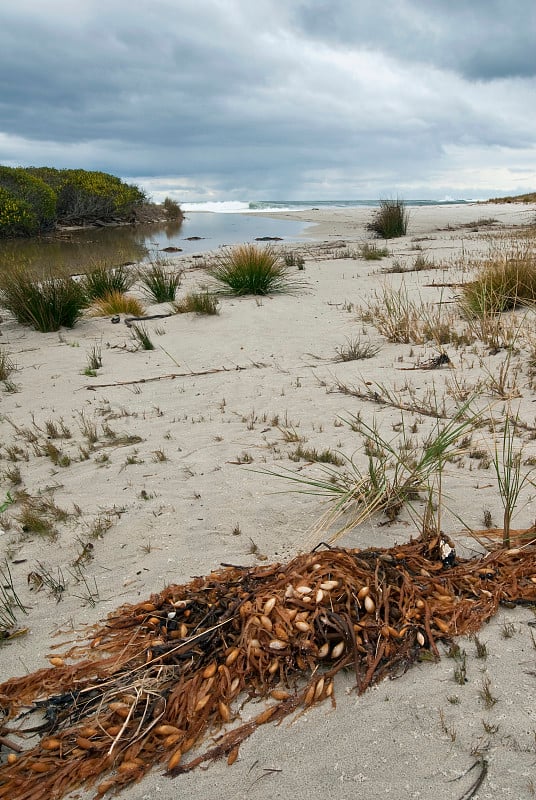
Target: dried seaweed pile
151 683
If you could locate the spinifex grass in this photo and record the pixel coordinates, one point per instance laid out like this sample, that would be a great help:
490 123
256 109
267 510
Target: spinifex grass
247 269
395 474
46 304
158 283
390 220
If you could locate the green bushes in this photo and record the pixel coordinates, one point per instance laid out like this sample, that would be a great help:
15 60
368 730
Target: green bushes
45 305
34 199
27 204
390 220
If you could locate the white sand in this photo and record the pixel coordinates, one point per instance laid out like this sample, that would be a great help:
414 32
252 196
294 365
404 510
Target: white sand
270 366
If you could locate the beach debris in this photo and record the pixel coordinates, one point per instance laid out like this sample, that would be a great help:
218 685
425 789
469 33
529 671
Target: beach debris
157 678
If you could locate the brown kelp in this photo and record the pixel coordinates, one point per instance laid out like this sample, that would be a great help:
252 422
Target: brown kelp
149 684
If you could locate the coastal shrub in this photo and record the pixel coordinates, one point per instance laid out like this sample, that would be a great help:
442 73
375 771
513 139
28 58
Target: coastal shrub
86 196
390 220
197 303
27 204
505 280
101 279
158 284
116 303
46 304
172 209
247 269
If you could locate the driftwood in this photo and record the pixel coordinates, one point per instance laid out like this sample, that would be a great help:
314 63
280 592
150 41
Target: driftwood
171 376
150 684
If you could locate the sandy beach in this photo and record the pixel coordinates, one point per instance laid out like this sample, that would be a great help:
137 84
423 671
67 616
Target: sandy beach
166 477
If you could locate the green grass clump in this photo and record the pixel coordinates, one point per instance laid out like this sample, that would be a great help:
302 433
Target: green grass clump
505 280
158 284
116 303
390 220
247 269
46 304
101 279
197 303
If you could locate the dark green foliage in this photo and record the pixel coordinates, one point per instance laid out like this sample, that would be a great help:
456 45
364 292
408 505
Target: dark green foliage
390 220
45 305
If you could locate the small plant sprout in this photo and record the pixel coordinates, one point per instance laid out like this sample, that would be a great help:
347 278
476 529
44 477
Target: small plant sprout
141 335
485 693
6 365
94 360
355 349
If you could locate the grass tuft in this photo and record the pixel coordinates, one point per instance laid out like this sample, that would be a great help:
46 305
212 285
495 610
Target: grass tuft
45 305
116 303
247 269
157 283
505 280
390 220
197 303
101 280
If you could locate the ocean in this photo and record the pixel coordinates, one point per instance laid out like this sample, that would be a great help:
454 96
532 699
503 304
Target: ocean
248 207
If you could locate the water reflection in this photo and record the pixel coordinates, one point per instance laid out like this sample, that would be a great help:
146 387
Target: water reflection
199 232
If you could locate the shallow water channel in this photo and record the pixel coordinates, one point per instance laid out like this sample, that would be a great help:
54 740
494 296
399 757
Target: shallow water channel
199 232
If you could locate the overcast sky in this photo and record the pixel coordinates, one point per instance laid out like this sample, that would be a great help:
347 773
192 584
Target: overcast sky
275 99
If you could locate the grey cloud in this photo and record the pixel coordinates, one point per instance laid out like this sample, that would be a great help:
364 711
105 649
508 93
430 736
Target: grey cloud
264 97
481 39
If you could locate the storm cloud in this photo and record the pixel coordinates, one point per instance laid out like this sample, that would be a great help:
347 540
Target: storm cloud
228 99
